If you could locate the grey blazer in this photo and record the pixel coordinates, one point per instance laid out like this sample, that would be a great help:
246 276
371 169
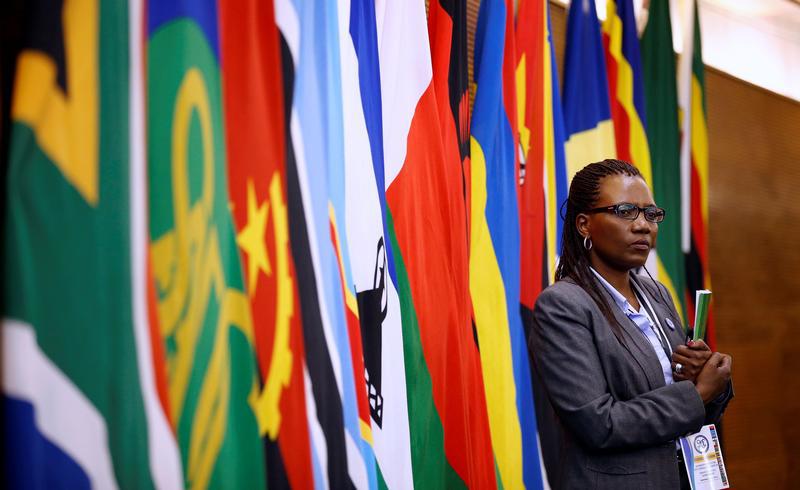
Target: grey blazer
616 419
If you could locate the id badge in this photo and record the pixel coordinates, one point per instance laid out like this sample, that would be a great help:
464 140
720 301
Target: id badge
702 456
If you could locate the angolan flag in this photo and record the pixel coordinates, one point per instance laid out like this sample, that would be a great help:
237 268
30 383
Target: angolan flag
255 139
84 398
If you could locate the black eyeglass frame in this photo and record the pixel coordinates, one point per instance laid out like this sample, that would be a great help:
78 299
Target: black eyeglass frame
661 212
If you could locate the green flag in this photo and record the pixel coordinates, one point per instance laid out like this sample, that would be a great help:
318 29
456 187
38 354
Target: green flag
203 310
80 404
661 102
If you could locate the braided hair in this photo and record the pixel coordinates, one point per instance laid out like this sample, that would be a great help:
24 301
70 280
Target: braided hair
574 261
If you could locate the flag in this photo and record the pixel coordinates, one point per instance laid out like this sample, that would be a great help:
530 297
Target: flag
447 26
369 249
663 136
694 163
255 139
627 95
543 181
495 250
338 413
338 218
556 182
84 399
326 427
450 440
203 310
531 74
587 114
625 86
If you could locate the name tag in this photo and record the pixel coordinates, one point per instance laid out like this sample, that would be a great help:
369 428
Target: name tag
702 456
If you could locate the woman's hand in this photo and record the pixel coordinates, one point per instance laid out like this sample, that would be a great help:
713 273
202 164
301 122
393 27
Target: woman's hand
714 377
691 357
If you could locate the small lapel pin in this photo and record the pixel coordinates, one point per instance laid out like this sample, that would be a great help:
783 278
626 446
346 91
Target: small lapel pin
670 324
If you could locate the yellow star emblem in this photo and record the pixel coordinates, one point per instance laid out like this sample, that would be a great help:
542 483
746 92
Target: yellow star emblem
251 238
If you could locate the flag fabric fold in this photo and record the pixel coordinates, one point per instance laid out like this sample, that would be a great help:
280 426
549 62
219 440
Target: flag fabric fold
663 135
628 111
202 306
370 250
544 183
694 162
82 377
532 104
450 440
495 250
255 139
556 172
587 113
447 26
625 86
340 435
268 243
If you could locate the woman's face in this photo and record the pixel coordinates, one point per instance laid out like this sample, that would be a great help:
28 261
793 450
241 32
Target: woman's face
618 243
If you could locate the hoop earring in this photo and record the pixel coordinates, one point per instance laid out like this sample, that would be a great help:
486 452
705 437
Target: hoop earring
587 243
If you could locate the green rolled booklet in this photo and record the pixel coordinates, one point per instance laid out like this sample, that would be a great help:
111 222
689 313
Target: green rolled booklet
702 298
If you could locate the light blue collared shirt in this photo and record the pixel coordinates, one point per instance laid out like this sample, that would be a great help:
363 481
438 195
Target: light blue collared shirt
642 320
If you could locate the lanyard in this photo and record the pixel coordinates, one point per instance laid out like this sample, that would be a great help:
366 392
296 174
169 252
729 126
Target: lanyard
654 321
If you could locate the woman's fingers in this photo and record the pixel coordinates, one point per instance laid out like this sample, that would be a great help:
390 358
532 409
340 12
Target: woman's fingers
685 368
686 361
701 355
699 345
695 361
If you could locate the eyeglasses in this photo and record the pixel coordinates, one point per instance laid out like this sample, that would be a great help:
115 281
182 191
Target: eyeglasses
630 212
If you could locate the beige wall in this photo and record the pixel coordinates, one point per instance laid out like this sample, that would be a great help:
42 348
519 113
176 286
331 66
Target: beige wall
754 201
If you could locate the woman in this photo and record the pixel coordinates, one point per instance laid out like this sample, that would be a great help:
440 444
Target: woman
608 346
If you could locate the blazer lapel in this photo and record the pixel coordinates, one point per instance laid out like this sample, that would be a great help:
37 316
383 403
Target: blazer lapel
642 350
677 336
635 342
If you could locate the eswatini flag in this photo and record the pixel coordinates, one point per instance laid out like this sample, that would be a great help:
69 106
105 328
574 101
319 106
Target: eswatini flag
495 251
255 139
450 442
84 402
694 163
